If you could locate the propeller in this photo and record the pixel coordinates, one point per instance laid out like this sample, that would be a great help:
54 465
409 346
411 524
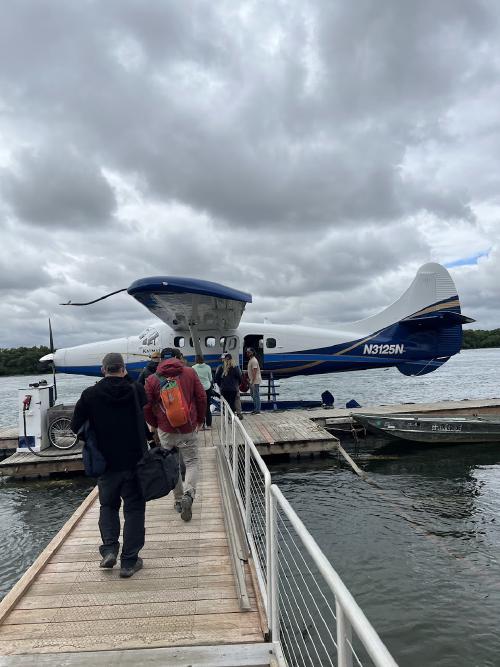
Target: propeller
52 350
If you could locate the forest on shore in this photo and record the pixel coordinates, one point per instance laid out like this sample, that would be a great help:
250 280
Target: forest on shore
476 338
24 360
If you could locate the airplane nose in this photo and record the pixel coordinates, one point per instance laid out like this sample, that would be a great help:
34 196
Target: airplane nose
47 357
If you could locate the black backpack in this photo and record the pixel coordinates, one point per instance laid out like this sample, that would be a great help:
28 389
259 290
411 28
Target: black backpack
158 472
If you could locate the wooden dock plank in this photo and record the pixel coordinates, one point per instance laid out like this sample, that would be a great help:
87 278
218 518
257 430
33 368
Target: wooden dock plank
93 629
168 637
125 598
243 655
139 610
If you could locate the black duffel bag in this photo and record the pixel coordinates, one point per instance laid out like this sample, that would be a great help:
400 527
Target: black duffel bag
158 472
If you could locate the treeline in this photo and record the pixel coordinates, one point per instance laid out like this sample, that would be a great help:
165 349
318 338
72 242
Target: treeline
23 360
475 338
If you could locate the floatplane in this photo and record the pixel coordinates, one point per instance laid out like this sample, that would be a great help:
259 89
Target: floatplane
416 334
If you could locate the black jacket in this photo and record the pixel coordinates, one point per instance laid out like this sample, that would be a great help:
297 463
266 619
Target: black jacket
148 370
112 411
229 382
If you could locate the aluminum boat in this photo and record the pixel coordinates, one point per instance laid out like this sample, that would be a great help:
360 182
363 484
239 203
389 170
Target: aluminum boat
433 430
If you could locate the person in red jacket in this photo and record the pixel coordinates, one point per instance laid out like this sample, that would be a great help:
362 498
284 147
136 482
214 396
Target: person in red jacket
183 437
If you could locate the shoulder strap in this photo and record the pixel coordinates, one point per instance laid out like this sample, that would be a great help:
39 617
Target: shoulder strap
162 379
141 429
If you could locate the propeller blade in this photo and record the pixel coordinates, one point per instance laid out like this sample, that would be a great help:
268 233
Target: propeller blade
88 303
51 339
54 381
51 355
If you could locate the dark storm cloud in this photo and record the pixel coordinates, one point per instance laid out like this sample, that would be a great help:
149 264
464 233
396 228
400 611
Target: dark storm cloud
306 152
56 187
208 114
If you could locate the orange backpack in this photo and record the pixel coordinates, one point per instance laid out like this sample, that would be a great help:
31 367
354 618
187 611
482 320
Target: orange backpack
173 401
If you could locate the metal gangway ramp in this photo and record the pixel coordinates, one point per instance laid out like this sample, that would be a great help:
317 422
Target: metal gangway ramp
242 584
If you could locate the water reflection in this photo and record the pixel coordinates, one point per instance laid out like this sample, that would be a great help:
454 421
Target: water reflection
420 553
30 515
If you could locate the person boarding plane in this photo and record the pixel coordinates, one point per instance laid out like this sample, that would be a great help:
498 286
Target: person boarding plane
416 334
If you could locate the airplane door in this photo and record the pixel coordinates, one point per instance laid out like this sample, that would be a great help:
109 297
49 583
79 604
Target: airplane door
257 342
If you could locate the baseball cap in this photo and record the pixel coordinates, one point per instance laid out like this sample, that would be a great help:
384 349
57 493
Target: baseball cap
226 355
155 355
113 362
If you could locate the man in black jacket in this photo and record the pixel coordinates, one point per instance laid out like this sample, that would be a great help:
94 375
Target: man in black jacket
113 407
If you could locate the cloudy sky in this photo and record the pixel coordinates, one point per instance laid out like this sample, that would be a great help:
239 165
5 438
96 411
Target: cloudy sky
312 152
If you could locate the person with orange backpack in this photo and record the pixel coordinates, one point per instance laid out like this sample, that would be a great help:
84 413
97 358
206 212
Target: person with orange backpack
176 406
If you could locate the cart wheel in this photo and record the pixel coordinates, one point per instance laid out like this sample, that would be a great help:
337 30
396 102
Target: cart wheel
60 433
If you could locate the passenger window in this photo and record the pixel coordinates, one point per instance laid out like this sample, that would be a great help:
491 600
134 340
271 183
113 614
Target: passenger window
232 343
179 341
210 341
270 342
222 342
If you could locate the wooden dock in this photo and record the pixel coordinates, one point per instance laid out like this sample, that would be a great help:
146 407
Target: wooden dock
8 441
274 433
291 432
185 596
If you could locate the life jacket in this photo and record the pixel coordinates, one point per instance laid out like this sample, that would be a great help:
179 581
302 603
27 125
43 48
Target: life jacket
173 401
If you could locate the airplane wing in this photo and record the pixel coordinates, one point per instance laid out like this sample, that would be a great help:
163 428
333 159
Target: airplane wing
180 302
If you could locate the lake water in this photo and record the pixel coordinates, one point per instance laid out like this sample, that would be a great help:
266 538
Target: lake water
420 555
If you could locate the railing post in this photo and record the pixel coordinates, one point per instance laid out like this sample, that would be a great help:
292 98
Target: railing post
273 570
344 633
248 508
226 428
235 452
271 382
223 427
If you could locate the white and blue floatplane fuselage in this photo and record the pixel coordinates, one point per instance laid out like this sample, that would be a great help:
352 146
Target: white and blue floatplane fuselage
416 334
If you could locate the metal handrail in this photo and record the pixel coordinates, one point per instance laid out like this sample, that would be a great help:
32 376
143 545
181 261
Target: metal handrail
255 493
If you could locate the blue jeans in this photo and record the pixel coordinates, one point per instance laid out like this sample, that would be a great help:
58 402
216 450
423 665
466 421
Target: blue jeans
255 394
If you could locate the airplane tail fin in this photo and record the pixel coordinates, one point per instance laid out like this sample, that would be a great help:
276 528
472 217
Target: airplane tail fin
426 321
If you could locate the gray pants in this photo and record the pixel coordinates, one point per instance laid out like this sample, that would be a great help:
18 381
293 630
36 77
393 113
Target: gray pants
187 443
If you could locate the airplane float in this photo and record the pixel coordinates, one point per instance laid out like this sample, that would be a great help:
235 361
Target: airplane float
417 333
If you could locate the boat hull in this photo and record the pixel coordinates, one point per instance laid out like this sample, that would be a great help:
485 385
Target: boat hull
432 430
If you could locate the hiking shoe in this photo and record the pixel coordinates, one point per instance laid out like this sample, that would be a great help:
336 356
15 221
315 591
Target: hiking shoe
186 504
178 506
126 572
108 561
